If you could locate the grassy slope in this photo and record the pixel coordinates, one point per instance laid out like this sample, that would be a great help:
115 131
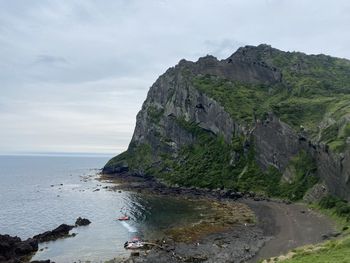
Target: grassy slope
337 250
328 252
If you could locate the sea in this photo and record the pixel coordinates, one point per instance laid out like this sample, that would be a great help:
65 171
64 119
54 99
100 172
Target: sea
38 193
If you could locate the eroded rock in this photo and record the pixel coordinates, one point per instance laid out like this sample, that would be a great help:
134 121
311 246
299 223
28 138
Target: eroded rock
82 222
13 249
59 232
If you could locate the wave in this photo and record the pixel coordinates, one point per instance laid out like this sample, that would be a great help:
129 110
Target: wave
129 227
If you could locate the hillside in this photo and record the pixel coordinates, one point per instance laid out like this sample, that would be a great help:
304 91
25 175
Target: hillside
261 120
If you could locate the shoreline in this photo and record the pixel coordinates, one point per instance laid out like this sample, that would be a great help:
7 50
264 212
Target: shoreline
290 225
280 227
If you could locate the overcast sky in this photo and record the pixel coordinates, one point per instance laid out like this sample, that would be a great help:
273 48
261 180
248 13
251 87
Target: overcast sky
73 74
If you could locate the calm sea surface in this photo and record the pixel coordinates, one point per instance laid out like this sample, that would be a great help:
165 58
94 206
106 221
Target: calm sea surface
38 193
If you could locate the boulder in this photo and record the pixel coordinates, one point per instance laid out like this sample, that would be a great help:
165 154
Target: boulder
82 222
13 249
60 231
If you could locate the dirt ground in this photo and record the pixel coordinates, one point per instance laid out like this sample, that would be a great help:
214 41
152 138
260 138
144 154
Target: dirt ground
289 225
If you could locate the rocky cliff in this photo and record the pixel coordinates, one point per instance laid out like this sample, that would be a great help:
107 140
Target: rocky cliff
261 120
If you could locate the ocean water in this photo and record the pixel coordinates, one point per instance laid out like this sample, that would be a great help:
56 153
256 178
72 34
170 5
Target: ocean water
38 193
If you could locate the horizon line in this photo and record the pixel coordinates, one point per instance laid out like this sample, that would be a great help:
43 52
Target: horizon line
57 154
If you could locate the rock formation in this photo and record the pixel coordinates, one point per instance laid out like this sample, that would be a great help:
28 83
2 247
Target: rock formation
266 108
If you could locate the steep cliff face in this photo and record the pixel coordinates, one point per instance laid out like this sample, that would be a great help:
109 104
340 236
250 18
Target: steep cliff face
246 122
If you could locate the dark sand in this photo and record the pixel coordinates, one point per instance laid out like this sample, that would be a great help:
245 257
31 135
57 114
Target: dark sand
289 225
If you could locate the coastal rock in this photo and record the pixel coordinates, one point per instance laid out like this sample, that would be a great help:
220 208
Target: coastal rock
82 222
59 232
13 249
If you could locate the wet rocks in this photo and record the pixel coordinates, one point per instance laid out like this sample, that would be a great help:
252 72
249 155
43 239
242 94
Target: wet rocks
59 232
82 222
238 245
13 249
148 184
135 254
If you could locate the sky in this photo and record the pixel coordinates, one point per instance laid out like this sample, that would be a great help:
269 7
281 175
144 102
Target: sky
74 74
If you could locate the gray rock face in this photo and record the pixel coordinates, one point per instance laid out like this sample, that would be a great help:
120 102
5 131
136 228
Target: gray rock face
276 143
173 97
334 169
317 192
13 249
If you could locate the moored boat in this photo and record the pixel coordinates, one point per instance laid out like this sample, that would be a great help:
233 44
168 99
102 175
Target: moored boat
123 218
133 244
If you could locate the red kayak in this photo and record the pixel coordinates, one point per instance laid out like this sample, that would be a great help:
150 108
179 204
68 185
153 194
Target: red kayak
123 218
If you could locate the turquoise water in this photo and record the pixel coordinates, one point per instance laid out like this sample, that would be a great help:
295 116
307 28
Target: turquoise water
38 193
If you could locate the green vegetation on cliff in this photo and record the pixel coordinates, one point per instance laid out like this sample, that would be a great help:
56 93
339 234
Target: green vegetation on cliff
154 114
205 163
136 158
314 95
337 206
304 178
240 100
309 75
212 163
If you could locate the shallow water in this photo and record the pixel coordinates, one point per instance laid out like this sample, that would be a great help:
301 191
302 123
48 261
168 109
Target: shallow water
39 193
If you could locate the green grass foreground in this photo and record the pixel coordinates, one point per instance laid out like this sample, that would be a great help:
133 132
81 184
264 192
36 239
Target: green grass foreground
332 251
335 251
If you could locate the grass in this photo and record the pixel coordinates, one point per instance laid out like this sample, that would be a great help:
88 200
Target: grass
336 206
328 252
238 99
138 158
336 250
340 222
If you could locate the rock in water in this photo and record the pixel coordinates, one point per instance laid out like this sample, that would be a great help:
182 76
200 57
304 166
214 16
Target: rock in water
13 249
60 231
82 222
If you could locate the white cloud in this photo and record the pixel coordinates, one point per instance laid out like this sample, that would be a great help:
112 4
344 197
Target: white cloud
73 74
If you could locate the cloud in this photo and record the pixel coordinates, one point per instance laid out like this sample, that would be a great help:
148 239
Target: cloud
73 74
50 60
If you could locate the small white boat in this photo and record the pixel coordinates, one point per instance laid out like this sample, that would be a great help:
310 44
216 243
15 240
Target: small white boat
134 244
